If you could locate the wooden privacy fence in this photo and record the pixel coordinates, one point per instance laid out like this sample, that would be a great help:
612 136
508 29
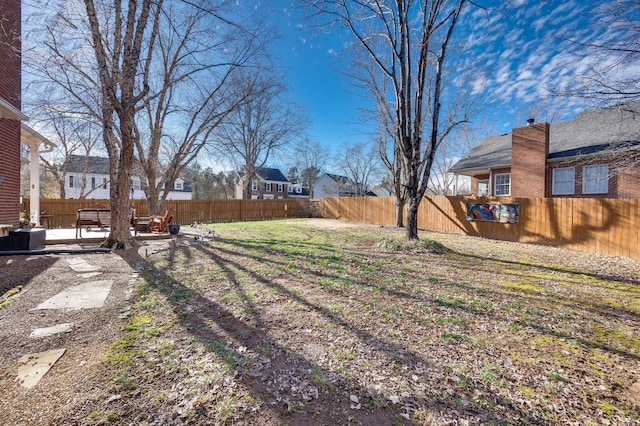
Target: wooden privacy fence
602 226
185 211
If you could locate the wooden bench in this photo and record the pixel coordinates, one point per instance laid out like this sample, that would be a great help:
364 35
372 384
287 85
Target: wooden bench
92 217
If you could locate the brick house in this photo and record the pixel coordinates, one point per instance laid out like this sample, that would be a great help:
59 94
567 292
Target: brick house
594 155
10 115
266 184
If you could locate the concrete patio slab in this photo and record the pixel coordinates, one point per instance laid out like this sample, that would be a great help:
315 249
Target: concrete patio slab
83 296
35 366
50 331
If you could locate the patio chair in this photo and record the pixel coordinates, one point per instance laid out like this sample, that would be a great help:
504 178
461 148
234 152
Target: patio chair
159 223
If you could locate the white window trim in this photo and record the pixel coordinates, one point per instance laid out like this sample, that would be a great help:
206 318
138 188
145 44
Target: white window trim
179 186
267 186
254 185
585 181
280 187
495 184
554 190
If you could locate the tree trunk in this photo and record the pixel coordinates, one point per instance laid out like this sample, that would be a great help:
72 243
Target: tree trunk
400 212
412 218
120 203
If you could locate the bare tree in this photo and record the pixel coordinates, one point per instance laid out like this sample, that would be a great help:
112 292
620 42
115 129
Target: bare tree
264 122
310 157
190 94
359 163
407 41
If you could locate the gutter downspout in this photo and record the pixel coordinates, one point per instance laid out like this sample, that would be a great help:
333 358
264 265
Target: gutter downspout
490 183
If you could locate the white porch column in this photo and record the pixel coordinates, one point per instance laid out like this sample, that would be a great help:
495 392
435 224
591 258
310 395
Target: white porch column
33 139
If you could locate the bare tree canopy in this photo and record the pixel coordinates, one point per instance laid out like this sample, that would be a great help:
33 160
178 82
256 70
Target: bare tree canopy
407 43
263 123
360 163
610 73
151 76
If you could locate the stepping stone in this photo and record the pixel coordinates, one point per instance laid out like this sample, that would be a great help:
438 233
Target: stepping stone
35 366
90 274
80 265
50 331
83 296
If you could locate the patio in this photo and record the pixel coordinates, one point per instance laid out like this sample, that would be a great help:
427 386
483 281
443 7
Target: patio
68 236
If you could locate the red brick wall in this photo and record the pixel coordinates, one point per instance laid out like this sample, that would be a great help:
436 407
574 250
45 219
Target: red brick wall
10 82
529 149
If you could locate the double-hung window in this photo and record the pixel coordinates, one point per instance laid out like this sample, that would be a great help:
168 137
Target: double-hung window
502 184
70 181
564 181
267 187
595 179
280 188
254 185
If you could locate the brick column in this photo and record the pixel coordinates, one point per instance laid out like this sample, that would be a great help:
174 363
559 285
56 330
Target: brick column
529 151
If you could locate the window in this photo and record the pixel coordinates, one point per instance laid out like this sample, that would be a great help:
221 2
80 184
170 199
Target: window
290 188
179 186
104 183
563 181
70 181
254 185
595 179
483 188
503 184
299 190
93 182
280 187
267 187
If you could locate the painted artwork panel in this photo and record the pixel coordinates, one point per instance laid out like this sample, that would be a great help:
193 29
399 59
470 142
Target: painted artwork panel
493 212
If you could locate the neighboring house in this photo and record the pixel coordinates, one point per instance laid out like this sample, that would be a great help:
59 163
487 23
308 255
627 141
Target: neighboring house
96 181
266 184
583 157
330 185
296 190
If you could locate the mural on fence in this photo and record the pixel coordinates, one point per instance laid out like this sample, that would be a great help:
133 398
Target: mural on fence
493 212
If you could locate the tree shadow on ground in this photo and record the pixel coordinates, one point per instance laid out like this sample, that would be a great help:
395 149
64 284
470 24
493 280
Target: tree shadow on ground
240 341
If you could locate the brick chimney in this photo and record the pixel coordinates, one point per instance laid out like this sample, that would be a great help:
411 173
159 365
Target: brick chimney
529 150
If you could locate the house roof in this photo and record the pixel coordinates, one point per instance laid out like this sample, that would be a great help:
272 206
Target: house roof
273 175
591 132
95 165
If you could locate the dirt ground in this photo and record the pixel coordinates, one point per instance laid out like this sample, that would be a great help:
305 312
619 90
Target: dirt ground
210 334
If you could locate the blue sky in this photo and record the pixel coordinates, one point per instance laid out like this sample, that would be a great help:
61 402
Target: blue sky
519 48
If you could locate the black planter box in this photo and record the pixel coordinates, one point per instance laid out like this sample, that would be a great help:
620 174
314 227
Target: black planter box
24 239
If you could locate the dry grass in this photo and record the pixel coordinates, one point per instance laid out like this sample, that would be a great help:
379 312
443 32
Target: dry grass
312 322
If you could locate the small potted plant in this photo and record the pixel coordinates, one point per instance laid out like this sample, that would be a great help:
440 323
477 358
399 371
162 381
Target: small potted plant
174 228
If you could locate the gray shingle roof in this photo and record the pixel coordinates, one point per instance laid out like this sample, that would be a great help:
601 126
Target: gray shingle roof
590 132
273 175
96 165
